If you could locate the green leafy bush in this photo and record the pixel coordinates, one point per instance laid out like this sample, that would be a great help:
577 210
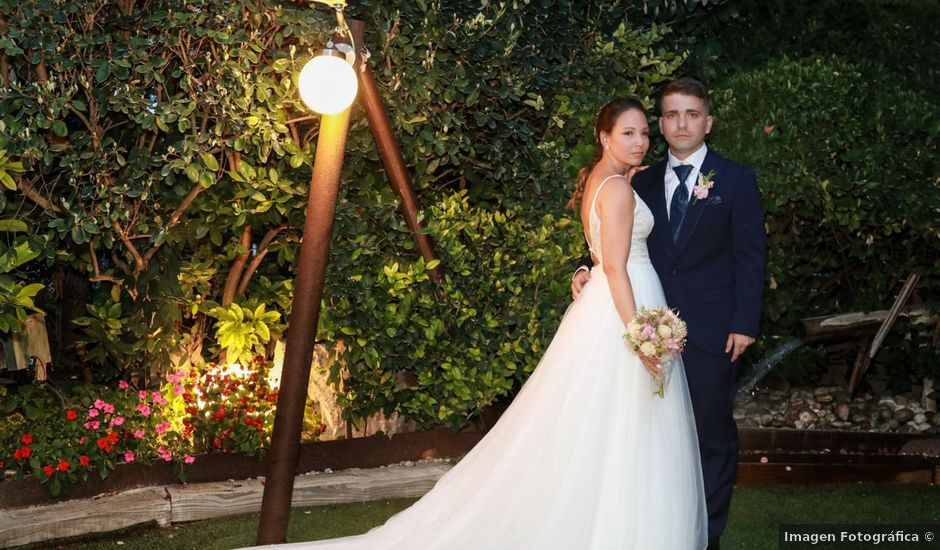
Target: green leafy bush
848 171
164 156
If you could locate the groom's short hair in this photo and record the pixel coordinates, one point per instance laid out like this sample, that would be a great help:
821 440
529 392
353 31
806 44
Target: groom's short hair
688 86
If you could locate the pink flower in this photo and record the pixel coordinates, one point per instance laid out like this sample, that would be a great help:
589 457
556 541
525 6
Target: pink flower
139 434
117 421
162 427
178 390
648 332
704 184
189 459
82 439
158 399
92 412
164 454
123 385
99 404
129 456
108 408
92 425
143 409
142 394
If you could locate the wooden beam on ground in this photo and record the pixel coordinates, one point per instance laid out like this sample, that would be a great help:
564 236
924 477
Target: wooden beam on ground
71 519
846 326
858 371
212 500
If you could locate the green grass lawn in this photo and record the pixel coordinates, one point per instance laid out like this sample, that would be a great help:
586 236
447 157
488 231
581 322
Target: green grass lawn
756 513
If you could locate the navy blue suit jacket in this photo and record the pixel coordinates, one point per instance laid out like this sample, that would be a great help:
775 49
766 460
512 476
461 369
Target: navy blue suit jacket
714 273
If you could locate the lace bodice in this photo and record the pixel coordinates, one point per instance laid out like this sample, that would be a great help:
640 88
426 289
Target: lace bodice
642 225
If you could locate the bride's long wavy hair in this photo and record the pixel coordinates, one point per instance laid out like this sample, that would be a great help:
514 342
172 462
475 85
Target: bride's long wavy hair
606 119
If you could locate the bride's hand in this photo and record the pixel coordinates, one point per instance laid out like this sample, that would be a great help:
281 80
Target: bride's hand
631 172
651 364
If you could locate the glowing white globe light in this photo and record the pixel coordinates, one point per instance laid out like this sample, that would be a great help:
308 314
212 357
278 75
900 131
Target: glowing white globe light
328 83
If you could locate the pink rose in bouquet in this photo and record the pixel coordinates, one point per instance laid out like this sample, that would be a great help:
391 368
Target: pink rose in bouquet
657 334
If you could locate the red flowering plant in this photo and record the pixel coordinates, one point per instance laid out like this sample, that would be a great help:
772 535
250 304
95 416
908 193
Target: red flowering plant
228 408
39 438
209 409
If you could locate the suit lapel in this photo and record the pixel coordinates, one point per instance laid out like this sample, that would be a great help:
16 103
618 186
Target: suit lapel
696 207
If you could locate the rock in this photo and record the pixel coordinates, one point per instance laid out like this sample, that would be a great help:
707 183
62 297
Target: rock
738 414
886 414
936 419
888 402
807 417
842 411
920 418
908 429
923 426
747 423
765 419
823 395
903 416
841 396
901 401
893 424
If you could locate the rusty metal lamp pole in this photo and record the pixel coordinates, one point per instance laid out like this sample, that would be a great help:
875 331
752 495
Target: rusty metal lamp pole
308 283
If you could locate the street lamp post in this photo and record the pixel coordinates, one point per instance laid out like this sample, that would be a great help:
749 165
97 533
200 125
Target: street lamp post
308 284
328 85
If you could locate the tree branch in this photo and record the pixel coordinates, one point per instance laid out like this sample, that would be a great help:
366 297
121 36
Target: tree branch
175 218
256 261
238 265
138 260
37 197
98 276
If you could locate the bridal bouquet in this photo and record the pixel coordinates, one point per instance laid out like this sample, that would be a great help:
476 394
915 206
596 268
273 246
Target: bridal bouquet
657 333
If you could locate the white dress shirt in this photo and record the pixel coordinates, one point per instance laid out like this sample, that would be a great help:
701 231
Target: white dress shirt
672 180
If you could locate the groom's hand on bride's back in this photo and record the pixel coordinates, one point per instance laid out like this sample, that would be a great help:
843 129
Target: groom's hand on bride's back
581 277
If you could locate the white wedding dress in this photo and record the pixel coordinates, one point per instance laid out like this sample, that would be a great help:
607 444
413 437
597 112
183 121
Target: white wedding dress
585 458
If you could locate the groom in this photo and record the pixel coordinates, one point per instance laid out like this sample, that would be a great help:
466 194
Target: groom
709 248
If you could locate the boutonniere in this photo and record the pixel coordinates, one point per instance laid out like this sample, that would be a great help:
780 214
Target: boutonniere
705 182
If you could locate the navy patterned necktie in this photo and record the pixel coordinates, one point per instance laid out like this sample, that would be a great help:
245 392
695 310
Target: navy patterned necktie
680 200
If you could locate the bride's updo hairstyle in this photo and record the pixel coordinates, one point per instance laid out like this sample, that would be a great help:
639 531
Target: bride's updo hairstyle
606 119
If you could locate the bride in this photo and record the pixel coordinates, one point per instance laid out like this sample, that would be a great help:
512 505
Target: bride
586 457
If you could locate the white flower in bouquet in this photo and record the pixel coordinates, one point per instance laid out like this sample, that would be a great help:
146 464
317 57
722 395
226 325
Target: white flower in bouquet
657 334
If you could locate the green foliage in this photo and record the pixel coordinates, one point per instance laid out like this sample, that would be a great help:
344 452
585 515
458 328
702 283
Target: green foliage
16 297
848 173
894 36
438 353
157 140
243 333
